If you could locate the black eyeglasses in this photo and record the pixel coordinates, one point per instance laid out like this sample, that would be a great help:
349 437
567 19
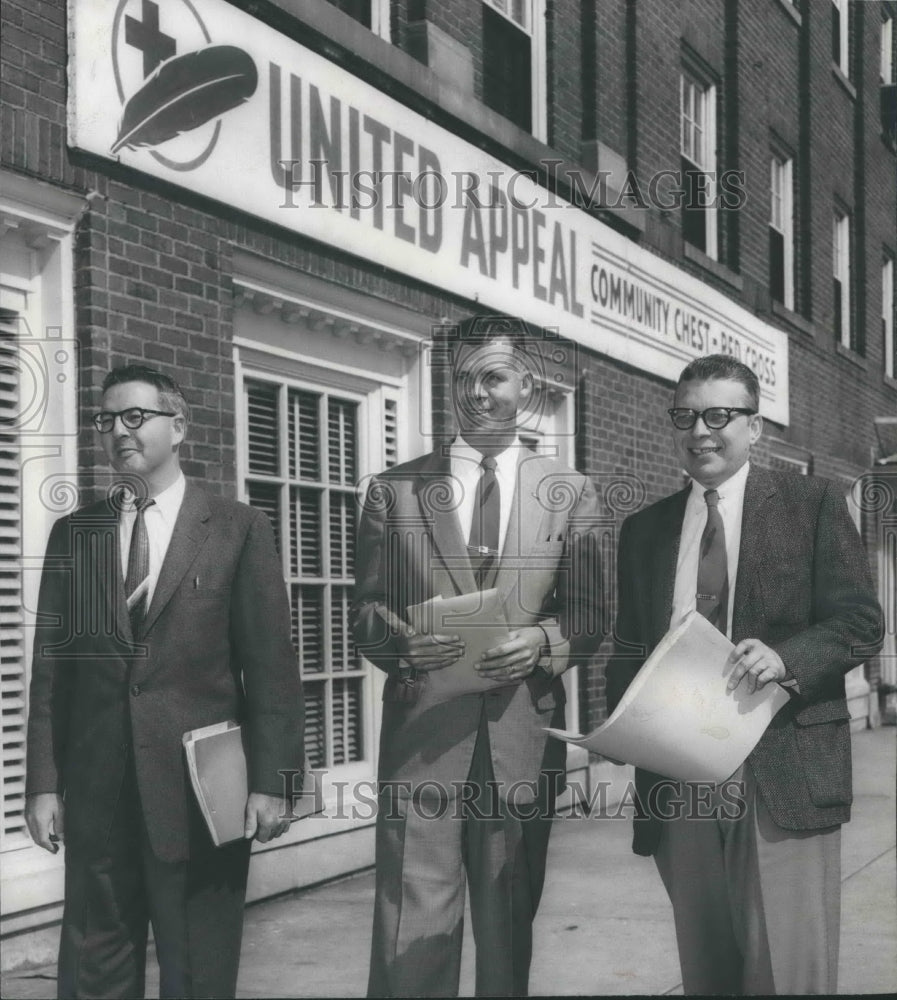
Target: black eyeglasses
132 418
714 417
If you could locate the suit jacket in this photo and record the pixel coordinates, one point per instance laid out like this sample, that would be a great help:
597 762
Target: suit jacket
410 548
804 589
215 645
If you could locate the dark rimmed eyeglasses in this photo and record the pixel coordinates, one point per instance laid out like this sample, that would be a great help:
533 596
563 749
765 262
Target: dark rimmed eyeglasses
714 417
132 418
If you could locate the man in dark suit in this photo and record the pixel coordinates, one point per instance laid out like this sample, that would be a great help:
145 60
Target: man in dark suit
469 783
162 609
775 562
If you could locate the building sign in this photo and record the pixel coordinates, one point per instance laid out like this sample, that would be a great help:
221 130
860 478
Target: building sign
203 95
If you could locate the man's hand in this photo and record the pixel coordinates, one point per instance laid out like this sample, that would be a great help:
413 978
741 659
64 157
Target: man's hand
755 660
267 817
428 652
516 658
45 816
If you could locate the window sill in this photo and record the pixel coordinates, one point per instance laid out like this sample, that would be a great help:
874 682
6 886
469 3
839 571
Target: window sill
793 319
791 12
851 356
712 266
839 75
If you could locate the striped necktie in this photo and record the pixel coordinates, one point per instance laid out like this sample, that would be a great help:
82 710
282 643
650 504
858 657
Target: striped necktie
136 582
712 598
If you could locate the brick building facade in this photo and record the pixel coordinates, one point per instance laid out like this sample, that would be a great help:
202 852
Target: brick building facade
301 334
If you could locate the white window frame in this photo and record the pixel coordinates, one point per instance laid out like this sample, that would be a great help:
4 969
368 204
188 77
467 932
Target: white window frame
841 269
531 20
697 131
380 23
887 313
844 48
39 220
886 69
782 216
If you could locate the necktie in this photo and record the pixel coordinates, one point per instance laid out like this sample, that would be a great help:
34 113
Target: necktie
484 528
138 566
713 573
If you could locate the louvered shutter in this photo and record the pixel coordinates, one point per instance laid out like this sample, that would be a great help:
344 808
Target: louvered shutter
12 634
320 432
390 433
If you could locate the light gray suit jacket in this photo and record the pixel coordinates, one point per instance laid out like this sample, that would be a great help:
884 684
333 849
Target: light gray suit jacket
410 548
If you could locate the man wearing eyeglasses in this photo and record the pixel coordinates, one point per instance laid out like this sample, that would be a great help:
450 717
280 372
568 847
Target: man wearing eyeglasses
775 562
468 784
162 610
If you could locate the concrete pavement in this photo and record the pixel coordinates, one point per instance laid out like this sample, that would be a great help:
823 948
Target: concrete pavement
604 927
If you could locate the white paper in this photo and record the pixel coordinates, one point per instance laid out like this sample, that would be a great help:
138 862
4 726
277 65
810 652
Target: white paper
677 718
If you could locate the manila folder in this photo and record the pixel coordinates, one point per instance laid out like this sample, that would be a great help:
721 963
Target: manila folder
677 719
216 761
479 619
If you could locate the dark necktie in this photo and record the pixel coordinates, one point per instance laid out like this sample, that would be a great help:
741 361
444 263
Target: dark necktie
713 572
484 528
138 565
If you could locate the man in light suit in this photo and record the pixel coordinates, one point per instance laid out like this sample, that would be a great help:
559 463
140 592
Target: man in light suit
162 609
470 783
775 561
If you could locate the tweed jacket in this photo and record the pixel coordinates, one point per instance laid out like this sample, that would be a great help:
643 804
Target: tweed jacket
804 589
410 548
215 645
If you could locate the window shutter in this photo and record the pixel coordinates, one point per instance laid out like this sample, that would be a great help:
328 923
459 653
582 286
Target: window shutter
12 633
390 433
316 431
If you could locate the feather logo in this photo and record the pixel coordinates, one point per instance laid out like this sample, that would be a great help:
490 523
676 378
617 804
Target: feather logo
185 92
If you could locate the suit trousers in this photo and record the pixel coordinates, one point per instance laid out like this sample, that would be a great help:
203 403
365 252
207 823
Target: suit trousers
424 846
757 907
114 892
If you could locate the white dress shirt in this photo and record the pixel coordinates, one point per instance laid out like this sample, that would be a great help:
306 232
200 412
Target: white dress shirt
466 473
160 518
731 508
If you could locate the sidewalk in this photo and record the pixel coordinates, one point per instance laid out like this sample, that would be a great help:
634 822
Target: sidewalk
604 927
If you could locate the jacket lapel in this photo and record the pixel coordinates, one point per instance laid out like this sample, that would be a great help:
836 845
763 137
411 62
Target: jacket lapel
434 497
524 523
758 490
665 557
190 532
99 544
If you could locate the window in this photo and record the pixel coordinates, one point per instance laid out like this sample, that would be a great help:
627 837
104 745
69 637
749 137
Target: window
841 277
698 134
303 463
887 316
887 48
781 233
840 35
373 14
514 62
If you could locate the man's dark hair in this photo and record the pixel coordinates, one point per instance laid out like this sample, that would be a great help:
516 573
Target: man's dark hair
722 366
171 397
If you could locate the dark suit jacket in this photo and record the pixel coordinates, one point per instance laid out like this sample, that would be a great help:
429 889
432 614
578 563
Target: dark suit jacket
803 588
410 548
215 645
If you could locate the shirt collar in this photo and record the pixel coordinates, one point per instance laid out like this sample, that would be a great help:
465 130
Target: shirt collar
731 492
505 461
168 502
